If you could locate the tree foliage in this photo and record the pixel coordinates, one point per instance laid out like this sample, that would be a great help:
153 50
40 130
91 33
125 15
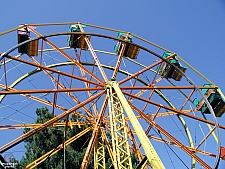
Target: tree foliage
49 138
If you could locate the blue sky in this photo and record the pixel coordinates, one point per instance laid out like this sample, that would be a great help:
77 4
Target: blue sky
192 29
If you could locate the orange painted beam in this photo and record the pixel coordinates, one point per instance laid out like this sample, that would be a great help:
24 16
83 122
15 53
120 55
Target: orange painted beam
4 92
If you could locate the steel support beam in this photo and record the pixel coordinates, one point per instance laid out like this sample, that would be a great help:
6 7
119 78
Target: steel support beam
99 153
150 152
122 158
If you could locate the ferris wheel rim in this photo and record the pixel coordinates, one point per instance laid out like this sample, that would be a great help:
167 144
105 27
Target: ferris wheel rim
105 36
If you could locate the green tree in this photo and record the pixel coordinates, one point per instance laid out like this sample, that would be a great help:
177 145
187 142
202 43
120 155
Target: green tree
49 138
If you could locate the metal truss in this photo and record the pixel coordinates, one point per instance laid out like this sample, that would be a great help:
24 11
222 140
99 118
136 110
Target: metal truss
99 153
122 158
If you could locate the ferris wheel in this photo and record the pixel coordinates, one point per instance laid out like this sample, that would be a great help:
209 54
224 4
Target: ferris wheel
134 97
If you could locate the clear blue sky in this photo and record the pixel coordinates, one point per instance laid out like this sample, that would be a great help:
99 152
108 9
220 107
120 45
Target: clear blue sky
195 30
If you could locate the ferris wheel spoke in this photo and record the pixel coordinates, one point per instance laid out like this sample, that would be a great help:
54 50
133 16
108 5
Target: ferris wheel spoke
97 62
172 109
120 57
140 92
87 85
108 145
94 136
140 72
68 57
58 84
169 113
69 93
61 124
173 139
187 99
150 87
53 70
48 123
150 125
204 139
149 98
90 148
170 143
57 149
14 91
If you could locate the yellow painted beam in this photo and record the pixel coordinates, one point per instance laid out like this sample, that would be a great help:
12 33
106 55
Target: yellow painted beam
149 150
